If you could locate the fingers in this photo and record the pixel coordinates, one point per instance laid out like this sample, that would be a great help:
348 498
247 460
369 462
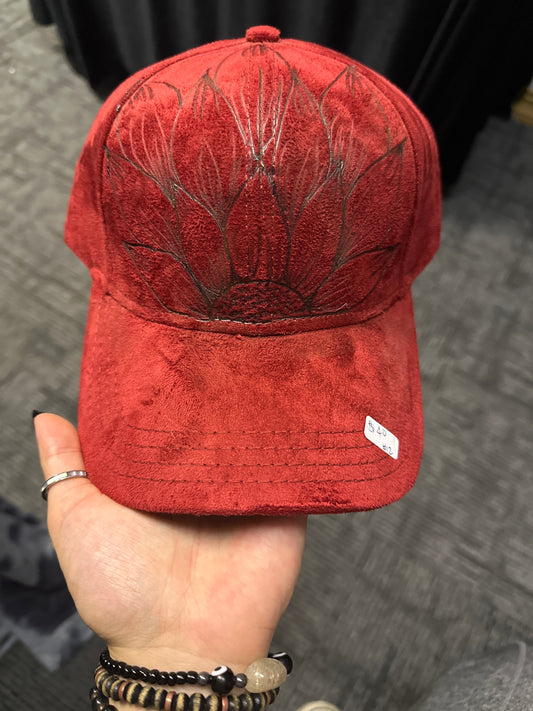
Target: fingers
59 445
60 451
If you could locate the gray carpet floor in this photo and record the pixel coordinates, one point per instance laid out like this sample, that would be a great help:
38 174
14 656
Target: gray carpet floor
387 600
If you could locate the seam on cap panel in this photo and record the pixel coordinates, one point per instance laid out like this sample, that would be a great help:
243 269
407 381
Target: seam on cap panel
374 81
217 482
252 449
412 220
398 297
255 432
259 465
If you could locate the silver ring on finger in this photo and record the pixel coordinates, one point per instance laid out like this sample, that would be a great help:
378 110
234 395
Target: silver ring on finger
63 476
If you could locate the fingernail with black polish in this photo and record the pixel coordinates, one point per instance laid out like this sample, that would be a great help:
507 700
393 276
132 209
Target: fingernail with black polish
35 413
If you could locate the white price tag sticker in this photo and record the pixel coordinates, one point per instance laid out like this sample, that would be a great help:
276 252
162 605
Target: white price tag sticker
381 437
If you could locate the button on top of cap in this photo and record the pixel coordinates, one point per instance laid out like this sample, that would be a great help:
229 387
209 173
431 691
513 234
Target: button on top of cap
262 33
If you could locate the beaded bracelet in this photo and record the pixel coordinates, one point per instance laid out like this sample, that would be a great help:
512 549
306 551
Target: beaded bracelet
222 679
131 692
99 701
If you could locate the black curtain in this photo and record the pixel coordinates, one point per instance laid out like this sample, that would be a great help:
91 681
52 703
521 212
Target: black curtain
459 60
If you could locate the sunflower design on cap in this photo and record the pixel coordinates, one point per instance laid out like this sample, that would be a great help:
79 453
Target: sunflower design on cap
253 200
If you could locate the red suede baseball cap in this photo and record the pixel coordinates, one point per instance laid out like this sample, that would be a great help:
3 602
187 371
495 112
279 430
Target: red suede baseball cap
253 213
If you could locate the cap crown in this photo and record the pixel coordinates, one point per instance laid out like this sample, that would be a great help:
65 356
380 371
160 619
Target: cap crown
257 187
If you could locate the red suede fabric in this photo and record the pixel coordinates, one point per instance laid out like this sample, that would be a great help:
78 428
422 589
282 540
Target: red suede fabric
253 214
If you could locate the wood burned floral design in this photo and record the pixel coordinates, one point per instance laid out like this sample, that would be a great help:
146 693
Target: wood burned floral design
258 198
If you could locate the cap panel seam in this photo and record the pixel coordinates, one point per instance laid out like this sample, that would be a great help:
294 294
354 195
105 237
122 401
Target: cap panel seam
251 449
416 204
399 296
247 482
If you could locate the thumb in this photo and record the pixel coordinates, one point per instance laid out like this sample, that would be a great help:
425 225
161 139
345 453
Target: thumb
60 451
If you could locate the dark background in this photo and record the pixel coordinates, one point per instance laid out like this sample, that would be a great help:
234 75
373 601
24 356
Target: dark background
459 60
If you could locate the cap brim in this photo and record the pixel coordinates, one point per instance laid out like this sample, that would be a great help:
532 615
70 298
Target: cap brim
188 421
